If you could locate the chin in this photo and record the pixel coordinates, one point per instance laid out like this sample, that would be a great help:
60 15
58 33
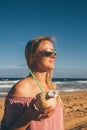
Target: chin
51 68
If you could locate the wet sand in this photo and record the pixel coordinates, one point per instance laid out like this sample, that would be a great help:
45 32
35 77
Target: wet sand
75 110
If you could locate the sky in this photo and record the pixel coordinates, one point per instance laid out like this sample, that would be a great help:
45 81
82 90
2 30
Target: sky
22 20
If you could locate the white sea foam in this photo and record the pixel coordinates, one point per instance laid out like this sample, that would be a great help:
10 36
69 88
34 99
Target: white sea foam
69 90
62 86
7 84
82 82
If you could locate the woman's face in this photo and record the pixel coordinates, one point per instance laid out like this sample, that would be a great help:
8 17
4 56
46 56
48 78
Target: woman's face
44 59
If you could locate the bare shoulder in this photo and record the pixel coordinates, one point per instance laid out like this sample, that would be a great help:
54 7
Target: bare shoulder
22 88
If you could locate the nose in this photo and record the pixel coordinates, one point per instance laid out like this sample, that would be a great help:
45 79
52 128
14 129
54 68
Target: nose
53 55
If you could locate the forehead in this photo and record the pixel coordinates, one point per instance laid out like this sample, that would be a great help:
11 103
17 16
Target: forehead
46 45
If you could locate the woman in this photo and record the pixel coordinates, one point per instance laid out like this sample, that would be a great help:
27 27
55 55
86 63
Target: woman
20 111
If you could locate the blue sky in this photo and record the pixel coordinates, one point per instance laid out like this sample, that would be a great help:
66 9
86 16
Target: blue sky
22 20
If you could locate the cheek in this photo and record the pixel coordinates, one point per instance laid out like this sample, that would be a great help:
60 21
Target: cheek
40 62
37 60
44 62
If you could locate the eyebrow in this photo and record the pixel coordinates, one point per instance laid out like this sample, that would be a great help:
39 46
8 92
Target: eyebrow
52 49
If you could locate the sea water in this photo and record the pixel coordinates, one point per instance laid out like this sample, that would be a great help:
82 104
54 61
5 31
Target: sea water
62 84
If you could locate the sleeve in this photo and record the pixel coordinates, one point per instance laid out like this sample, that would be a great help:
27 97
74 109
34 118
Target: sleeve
13 109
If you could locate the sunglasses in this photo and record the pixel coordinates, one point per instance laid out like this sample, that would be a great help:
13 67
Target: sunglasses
48 53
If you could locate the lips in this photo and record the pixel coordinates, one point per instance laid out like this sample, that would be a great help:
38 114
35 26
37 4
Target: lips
52 61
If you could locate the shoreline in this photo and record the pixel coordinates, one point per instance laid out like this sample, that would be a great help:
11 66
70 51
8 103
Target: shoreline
75 110
63 91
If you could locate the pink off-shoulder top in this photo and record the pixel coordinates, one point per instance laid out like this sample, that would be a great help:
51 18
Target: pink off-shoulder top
14 108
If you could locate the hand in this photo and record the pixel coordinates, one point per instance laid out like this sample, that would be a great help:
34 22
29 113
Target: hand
46 113
37 114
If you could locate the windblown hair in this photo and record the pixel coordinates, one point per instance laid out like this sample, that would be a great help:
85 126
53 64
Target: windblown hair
30 51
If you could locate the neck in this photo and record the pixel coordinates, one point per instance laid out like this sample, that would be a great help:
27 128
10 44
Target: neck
41 77
40 80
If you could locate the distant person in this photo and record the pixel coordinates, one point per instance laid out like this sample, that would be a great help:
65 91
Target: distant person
21 112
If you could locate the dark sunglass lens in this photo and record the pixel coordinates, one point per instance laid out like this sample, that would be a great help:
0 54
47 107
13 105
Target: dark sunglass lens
48 53
45 53
54 53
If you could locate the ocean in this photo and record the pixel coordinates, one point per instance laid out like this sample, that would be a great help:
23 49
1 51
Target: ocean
63 84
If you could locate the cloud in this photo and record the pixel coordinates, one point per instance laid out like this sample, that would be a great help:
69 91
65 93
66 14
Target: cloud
14 67
14 71
71 68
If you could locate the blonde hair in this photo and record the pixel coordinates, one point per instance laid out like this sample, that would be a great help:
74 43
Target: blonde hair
31 49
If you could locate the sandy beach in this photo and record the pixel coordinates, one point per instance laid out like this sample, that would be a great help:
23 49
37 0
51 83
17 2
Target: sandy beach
75 110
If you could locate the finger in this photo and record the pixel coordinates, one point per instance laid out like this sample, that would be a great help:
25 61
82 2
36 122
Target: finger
47 110
50 113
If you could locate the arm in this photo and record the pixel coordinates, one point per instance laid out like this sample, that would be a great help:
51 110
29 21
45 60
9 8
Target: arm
22 122
31 114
